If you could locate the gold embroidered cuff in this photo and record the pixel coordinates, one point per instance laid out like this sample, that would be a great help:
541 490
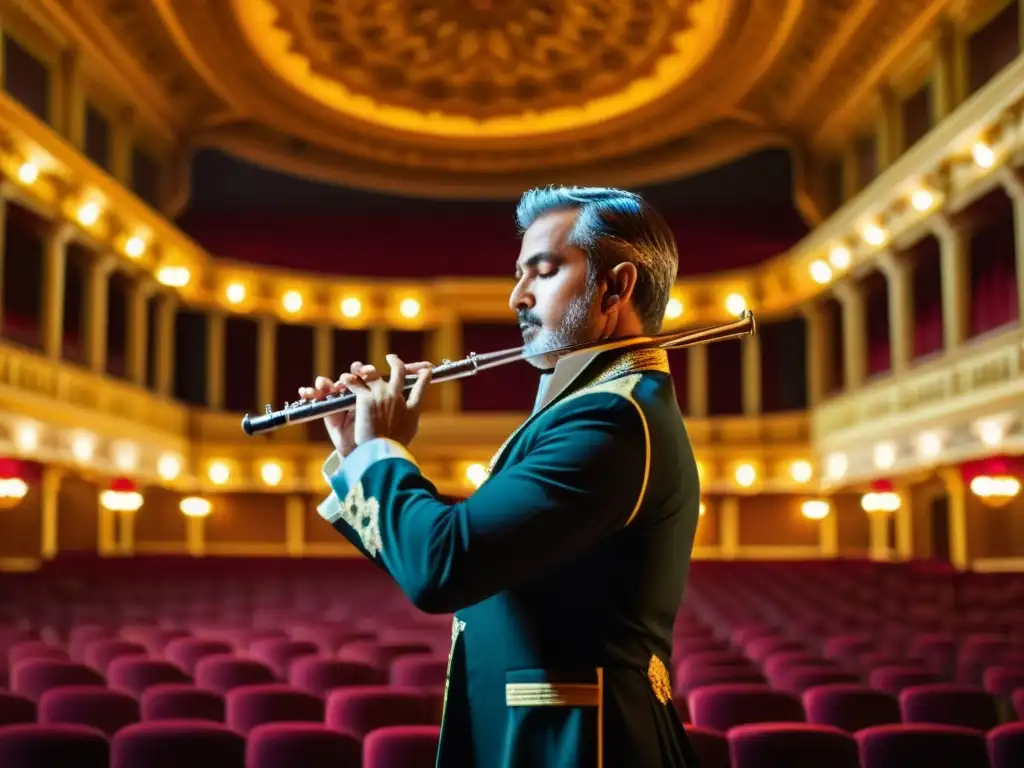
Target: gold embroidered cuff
552 694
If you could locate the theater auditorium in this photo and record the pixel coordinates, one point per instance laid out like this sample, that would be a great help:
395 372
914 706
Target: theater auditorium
205 205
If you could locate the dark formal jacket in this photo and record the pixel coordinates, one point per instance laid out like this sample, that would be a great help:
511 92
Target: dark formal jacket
564 570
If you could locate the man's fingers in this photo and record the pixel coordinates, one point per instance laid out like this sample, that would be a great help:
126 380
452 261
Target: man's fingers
397 382
417 367
354 383
422 382
355 367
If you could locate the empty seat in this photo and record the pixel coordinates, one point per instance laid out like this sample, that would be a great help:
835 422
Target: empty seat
53 746
1017 702
850 706
101 708
418 670
793 745
182 702
177 743
34 677
1003 681
320 675
154 639
934 746
222 673
1006 745
34 649
360 710
799 679
692 678
776 665
187 651
134 674
309 745
81 635
894 679
99 653
279 653
379 654
949 704
760 649
401 746
252 705
721 707
710 746
16 709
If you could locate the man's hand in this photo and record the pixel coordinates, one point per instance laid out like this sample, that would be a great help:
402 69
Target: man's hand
340 425
382 409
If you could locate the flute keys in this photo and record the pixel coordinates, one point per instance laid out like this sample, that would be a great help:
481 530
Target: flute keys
269 410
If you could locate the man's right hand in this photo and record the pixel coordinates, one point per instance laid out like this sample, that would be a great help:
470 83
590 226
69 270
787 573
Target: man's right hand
340 425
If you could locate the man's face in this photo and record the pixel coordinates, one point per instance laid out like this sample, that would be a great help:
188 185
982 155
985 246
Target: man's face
555 305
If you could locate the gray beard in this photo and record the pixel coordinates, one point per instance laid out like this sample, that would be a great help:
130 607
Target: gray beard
569 331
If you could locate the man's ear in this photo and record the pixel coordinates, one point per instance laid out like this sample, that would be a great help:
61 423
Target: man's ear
619 285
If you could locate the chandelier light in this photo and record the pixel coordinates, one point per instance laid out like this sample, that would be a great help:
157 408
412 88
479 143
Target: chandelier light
13 487
121 496
881 498
994 480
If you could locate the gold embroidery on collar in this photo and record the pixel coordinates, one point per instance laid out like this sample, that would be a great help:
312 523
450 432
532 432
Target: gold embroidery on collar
458 626
660 682
363 516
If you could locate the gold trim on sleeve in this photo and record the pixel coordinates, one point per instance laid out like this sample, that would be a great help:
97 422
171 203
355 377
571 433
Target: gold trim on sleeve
552 694
363 515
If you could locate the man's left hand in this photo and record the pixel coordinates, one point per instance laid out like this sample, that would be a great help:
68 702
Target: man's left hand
382 409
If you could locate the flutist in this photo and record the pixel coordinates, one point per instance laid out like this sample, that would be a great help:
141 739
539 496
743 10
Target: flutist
565 569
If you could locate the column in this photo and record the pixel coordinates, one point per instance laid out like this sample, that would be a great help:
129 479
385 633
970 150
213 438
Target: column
95 311
215 361
121 148
904 526
126 533
878 535
137 342
195 536
1013 180
729 527
295 525
751 366
3 223
323 353
828 533
950 76
850 294
71 99
954 254
378 348
446 344
166 309
816 351
106 543
54 278
697 381
959 551
889 133
49 504
266 361
899 278
851 172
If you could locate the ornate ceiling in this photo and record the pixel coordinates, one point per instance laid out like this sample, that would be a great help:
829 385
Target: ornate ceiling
484 97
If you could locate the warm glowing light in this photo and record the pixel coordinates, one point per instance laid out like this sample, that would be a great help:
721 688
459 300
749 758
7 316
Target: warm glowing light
28 173
26 437
884 455
836 465
126 457
929 445
476 474
12 490
218 473
351 307
83 447
409 308
840 257
89 213
674 309
135 246
195 506
292 302
174 277
995 490
991 433
700 470
873 234
821 272
746 475
815 509
121 501
884 501
735 304
922 200
702 509
983 155
168 466
271 473
801 471
235 293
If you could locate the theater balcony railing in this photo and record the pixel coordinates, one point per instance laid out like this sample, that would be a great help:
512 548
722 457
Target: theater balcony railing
956 407
58 413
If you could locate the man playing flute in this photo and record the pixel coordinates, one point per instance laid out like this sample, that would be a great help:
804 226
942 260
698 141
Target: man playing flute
566 567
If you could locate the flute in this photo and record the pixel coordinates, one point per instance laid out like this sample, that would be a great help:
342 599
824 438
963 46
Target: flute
302 411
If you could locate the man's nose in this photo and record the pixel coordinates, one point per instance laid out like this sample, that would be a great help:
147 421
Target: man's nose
520 298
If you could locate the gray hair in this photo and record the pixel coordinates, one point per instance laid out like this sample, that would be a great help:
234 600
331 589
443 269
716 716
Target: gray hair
613 226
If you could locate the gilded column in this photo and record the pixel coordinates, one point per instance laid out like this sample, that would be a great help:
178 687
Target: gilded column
295 525
378 348
878 535
95 311
954 253
54 280
126 534
323 353
850 294
50 510
851 172
697 381
137 346
729 527
215 361
828 534
446 344
751 375
959 550
899 278
266 361
195 536
166 309
889 133
71 97
1013 180
950 77
904 526
121 148
816 351
106 543
3 225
